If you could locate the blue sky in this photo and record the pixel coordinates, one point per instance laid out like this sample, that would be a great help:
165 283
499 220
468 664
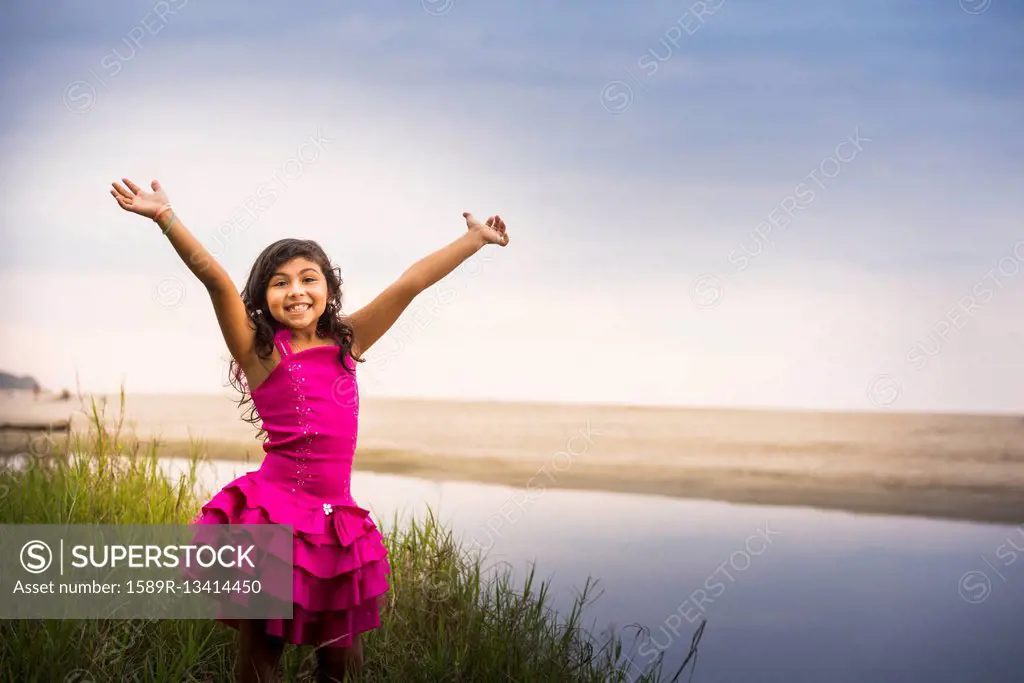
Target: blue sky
653 162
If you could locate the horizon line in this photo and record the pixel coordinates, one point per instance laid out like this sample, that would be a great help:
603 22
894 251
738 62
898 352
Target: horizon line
594 404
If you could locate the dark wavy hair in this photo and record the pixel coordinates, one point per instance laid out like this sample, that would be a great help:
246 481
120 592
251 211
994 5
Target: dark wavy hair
331 324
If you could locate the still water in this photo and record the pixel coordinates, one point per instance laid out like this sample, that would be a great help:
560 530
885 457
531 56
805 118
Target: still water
789 594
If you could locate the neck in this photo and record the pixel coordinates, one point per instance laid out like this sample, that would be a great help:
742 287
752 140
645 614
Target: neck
305 337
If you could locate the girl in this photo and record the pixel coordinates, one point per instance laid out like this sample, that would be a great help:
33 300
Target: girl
293 356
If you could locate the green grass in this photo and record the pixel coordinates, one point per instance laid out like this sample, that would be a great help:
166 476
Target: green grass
447 618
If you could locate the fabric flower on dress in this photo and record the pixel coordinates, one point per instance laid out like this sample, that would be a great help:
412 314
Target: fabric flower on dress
328 509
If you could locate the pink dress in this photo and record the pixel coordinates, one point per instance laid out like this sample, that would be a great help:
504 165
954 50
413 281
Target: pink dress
309 406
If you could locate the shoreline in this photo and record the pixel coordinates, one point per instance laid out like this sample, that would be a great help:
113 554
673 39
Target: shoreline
859 493
968 468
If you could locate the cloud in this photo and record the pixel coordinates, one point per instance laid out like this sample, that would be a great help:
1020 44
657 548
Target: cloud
614 217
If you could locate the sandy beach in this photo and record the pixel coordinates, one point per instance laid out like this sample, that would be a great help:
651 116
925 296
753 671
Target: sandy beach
964 467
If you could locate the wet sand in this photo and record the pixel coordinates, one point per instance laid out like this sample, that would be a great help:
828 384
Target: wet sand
963 467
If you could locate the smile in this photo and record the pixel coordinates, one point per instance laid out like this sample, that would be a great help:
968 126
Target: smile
297 308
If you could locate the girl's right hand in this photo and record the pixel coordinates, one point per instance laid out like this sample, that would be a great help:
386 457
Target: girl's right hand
136 200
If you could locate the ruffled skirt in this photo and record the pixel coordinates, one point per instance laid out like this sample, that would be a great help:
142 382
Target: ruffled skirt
340 571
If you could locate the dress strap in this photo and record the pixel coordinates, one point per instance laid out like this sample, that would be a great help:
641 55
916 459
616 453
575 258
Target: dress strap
281 338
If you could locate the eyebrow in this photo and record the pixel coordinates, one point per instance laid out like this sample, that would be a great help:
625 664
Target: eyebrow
280 274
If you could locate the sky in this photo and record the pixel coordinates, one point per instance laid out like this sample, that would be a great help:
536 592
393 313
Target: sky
808 205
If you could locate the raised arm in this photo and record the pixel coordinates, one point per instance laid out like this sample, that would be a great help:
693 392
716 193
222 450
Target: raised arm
231 314
372 322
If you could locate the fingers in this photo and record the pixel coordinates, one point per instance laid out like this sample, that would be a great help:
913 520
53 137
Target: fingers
131 186
498 224
156 186
121 201
121 191
502 235
494 222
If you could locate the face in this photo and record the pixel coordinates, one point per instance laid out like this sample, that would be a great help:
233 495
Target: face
297 293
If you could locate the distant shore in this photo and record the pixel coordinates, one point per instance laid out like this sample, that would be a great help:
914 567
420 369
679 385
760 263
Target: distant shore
997 503
941 466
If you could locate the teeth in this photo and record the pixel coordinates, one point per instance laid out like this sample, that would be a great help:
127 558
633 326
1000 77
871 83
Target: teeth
298 307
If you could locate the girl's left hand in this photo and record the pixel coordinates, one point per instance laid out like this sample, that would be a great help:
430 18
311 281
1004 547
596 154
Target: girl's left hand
493 231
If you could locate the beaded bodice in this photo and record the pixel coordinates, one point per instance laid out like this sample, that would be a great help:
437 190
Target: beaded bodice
309 406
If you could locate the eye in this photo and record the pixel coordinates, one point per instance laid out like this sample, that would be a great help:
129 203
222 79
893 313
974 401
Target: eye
310 279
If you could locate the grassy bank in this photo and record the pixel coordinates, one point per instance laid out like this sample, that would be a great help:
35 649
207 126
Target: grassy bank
447 619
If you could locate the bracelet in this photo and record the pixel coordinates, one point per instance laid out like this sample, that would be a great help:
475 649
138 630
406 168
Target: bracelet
156 218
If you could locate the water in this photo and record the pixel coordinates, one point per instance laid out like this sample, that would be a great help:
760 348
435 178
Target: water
789 594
